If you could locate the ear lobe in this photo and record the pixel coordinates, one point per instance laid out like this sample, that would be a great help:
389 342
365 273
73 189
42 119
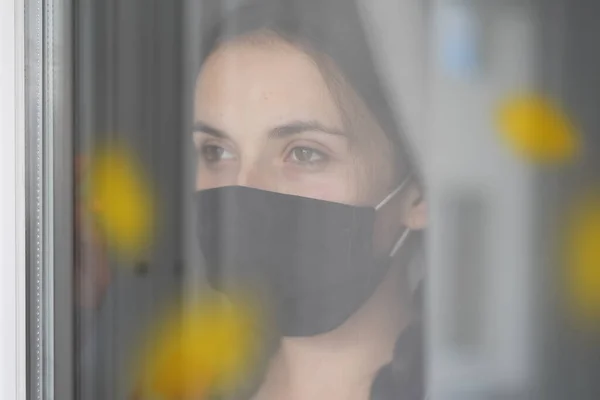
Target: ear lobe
414 213
417 215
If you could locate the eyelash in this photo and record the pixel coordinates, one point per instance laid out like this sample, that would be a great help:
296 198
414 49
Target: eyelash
292 155
322 157
206 157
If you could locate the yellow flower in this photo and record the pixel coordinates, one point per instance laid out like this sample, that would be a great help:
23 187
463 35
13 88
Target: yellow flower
538 130
582 261
208 346
121 200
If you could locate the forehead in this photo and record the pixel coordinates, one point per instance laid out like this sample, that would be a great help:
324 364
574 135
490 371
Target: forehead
259 83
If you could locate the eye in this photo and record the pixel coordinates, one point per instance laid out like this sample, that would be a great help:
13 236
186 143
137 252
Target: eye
211 153
306 155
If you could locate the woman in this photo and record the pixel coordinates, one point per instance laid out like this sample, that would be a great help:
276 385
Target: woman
308 192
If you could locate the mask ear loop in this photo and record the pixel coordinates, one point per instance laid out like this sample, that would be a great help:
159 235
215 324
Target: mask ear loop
393 193
387 199
399 242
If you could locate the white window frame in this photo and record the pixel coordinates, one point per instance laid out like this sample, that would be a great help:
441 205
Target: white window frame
13 356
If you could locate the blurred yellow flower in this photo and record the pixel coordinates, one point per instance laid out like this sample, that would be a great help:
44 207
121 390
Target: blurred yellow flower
583 258
205 347
121 200
538 130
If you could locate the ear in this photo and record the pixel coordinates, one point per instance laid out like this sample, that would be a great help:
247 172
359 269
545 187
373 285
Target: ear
415 211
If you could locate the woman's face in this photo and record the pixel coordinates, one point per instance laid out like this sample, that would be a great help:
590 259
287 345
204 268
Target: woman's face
265 118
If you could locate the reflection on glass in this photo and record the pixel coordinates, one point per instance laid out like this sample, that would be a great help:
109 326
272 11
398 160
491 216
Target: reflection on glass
307 199
279 182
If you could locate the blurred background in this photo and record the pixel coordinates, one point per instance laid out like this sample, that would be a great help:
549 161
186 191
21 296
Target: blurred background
501 101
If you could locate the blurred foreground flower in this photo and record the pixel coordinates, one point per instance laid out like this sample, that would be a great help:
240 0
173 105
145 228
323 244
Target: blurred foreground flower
206 348
121 200
582 261
538 130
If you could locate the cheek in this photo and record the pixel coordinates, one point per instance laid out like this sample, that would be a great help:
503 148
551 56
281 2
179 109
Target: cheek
376 179
208 179
203 181
338 185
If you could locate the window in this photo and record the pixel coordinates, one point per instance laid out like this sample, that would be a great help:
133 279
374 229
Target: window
246 199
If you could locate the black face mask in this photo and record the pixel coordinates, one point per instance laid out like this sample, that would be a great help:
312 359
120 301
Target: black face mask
312 260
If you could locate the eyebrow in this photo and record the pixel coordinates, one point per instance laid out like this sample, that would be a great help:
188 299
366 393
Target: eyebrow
297 127
282 131
200 126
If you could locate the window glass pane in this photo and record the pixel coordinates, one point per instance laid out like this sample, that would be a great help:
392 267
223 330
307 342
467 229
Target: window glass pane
311 199
241 150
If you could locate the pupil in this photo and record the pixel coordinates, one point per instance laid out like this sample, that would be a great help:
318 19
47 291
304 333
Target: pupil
213 153
303 154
